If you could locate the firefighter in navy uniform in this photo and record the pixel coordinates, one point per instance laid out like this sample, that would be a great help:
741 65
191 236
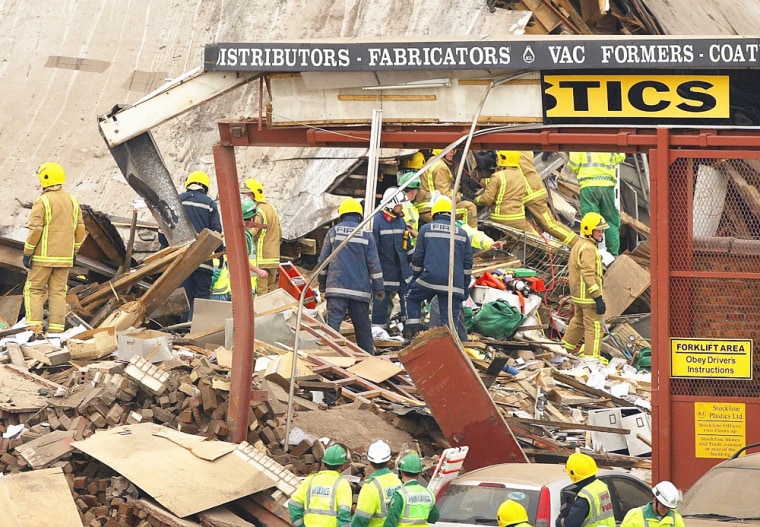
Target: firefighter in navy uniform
349 279
203 213
592 506
324 498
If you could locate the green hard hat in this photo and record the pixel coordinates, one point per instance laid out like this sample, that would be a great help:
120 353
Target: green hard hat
335 455
406 176
411 463
249 208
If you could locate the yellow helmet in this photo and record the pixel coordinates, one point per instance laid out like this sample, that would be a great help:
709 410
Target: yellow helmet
51 173
580 466
590 222
255 187
507 158
510 512
415 162
350 205
436 151
200 177
442 204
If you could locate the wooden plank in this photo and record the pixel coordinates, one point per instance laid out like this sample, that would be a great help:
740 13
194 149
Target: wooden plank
624 282
47 449
375 369
16 355
46 353
222 517
32 499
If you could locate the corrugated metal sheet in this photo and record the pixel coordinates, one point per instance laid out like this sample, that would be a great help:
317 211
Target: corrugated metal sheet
689 17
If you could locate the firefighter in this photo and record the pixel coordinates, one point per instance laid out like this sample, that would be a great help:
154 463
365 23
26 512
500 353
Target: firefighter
430 268
597 177
438 179
203 213
592 506
267 238
412 504
348 281
512 514
324 498
504 192
586 288
660 512
56 231
375 494
389 231
535 199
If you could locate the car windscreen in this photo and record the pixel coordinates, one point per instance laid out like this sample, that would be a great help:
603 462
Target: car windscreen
479 504
725 491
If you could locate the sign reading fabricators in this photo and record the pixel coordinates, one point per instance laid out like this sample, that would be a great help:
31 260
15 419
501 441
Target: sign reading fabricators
568 97
720 429
711 359
519 54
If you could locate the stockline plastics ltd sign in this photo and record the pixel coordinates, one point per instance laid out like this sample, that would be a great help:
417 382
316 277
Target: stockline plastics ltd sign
584 81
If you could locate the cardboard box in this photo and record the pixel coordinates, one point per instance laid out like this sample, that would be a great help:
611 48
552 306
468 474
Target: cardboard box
93 344
280 367
154 346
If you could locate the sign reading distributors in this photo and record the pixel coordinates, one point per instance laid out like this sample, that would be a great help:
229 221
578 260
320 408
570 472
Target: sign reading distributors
711 359
523 54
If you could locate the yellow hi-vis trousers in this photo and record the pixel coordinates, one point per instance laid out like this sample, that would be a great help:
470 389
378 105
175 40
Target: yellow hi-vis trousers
587 324
543 217
53 283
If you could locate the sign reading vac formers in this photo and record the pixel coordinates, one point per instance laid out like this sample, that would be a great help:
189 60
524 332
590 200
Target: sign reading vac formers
530 54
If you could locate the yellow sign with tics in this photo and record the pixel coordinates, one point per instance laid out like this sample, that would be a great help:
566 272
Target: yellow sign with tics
719 429
711 359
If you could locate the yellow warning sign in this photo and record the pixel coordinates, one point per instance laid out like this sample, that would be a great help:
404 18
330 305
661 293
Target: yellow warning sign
719 429
711 359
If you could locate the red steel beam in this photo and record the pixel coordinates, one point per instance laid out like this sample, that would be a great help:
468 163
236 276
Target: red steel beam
460 403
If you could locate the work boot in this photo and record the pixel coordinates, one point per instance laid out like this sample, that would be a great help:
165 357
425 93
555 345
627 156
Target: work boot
411 331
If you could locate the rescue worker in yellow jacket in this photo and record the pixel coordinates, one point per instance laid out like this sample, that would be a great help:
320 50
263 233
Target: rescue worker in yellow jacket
597 177
512 514
324 498
411 214
440 178
56 231
420 198
267 239
504 192
412 505
592 506
586 288
660 512
375 494
536 198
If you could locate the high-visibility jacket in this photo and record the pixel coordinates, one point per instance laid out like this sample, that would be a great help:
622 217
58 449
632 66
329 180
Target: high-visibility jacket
586 272
646 517
438 177
268 239
389 237
412 505
374 497
355 272
478 239
412 218
323 499
504 192
595 169
221 283
534 185
252 259
601 513
56 229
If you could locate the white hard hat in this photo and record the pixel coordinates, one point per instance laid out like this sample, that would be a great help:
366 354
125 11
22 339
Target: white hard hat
379 452
667 494
395 197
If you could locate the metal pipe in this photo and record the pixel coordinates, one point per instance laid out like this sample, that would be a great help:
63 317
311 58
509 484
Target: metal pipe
242 299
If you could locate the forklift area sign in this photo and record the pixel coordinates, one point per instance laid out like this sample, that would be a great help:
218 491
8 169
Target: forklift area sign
711 359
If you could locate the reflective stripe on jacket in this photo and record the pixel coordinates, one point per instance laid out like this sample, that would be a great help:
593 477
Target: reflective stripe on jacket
355 272
56 229
394 261
504 192
320 500
645 516
374 496
221 284
267 240
586 271
430 262
595 169
600 512
534 185
418 501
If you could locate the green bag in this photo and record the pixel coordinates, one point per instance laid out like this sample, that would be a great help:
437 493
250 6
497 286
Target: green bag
644 361
498 319
467 317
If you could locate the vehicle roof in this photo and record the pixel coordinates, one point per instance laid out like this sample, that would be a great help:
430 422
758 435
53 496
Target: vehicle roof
748 461
523 473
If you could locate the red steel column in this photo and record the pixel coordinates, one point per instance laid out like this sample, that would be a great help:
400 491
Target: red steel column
242 297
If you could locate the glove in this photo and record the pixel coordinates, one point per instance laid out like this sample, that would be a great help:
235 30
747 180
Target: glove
601 307
27 261
379 296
